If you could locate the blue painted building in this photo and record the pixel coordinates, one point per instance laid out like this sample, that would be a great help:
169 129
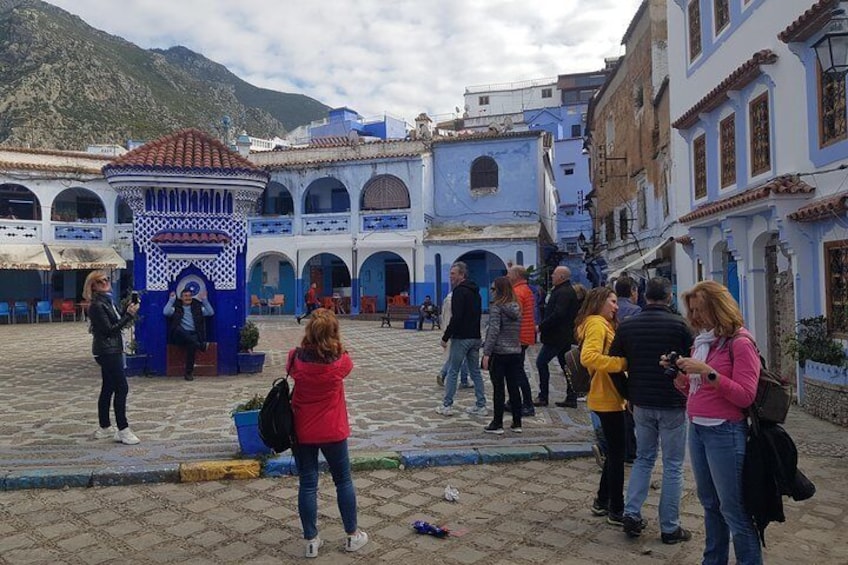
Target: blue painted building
342 121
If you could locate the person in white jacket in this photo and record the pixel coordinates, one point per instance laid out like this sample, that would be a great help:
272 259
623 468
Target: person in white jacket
463 371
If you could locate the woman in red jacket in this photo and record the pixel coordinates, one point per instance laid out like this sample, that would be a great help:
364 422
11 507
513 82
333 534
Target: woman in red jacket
318 368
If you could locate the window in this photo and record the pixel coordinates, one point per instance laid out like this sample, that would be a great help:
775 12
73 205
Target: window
483 100
576 130
694 29
727 132
642 207
836 283
569 210
547 92
699 159
664 190
568 169
638 96
623 226
832 112
484 174
385 192
609 226
571 248
722 14
760 141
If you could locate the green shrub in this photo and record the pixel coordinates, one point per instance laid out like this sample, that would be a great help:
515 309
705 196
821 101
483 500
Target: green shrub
812 342
248 337
254 403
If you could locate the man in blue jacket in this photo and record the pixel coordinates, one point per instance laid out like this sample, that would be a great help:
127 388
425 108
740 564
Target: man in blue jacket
659 409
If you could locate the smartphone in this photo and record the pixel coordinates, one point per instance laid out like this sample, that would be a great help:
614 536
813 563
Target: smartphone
134 297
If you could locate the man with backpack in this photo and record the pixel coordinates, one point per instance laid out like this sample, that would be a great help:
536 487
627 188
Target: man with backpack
659 409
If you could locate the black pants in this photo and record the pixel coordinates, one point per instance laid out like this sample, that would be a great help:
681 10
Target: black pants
114 385
506 368
191 343
524 381
611 489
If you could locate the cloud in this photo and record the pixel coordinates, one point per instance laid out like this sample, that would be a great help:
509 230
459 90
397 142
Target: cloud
400 57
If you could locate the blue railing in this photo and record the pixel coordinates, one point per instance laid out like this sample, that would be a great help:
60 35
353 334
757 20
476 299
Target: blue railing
266 227
385 222
326 224
78 233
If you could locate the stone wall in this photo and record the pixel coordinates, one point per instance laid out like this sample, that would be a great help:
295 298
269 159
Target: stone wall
826 401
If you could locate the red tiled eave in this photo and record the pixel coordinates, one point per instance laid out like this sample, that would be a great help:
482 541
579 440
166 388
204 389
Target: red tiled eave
822 208
742 76
785 184
8 165
190 237
808 23
184 150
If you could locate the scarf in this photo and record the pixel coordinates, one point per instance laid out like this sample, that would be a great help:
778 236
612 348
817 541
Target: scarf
700 350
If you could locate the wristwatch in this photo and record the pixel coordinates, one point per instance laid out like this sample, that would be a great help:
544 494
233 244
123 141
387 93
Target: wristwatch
712 376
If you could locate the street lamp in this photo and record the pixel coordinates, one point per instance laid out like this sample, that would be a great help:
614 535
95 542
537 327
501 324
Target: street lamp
832 48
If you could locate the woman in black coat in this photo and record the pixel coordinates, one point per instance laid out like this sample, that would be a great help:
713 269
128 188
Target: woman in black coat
108 349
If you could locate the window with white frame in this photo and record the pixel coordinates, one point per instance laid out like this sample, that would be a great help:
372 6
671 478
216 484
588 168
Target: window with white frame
727 146
832 111
483 100
547 92
760 134
721 11
694 12
699 166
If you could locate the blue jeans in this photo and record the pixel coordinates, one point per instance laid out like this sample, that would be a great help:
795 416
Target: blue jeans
718 454
547 353
306 458
467 350
655 428
463 372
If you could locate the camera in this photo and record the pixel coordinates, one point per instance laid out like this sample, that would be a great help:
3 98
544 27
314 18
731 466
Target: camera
134 297
672 370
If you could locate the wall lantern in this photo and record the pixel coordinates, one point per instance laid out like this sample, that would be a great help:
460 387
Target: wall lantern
832 48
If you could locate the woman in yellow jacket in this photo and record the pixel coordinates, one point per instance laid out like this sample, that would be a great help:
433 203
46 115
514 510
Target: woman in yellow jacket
596 323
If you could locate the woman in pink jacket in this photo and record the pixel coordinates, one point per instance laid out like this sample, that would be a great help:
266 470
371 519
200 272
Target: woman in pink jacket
720 378
318 368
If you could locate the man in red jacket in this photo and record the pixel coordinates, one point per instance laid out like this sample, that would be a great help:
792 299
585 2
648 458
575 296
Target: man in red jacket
518 277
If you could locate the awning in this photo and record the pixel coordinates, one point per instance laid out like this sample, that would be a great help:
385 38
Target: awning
638 263
505 232
24 257
88 257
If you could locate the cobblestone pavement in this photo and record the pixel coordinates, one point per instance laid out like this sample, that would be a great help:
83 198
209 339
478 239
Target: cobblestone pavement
51 383
531 512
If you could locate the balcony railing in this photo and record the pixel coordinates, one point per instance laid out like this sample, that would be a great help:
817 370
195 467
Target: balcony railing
385 222
124 234
263 227
78 232
326 224
20 231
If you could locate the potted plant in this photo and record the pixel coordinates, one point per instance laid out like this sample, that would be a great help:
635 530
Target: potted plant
248 361
812 342
246 419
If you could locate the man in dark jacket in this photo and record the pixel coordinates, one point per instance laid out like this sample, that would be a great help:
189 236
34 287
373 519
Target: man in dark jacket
463 333
556 332
188 331
659 409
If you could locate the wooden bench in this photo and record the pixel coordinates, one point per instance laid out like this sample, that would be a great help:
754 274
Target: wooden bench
407 313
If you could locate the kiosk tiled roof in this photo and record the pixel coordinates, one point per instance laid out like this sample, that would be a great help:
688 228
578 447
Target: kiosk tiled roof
822 208
809 22
784 184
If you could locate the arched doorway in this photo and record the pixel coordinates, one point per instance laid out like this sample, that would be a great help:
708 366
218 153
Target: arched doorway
483 268
725 270
276 201
326 196
78 204
123 213
383 274
17 202
272 274
331 276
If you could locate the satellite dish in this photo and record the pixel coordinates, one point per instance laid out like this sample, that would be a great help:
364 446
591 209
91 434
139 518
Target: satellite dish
507 124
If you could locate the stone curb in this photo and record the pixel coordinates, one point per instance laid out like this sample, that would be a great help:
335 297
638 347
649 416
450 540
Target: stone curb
279 466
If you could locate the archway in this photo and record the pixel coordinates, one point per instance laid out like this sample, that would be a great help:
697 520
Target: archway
326 196
276 201
271 274
17 202
78 204
383 274
123 213
483 268
331 276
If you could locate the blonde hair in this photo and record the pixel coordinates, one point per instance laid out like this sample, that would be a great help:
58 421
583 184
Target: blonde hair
592 304
321 337
503 291
719 306
93 277
580 291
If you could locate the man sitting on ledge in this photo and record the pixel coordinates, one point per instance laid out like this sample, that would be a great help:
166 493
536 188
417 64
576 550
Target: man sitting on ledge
427 311
188 332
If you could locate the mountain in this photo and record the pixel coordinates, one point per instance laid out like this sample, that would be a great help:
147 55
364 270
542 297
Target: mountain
64 85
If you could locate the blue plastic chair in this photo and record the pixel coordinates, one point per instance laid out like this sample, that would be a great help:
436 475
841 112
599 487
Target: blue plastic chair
22 309
43 308
6 311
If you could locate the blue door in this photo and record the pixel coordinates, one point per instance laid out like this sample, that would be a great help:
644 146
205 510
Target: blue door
733 278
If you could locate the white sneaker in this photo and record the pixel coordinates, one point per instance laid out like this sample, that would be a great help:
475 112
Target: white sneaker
444 410
105 433
126 436
312 546
477 410
356 541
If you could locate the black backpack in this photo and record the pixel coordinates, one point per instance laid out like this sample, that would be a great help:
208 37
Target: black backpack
276 421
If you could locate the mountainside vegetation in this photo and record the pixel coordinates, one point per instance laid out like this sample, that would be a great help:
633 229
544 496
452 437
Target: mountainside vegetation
64 85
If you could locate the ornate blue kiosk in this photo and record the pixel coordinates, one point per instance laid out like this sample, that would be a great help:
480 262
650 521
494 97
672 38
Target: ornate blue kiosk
190 196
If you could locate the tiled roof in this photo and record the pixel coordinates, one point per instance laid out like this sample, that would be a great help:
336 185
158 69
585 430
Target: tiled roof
332 141
58 153
785 184
683 240
190 237
822 208
186 149
487 135
808 23
337 159
747 72
8 165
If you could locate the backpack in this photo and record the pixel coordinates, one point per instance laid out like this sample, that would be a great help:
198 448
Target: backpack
771 403
576 372
276 421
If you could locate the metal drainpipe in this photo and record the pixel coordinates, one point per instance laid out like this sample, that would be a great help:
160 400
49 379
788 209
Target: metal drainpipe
414 291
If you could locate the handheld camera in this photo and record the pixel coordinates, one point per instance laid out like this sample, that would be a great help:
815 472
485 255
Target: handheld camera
134 297
672 370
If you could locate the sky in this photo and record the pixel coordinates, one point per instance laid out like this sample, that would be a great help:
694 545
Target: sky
400 57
